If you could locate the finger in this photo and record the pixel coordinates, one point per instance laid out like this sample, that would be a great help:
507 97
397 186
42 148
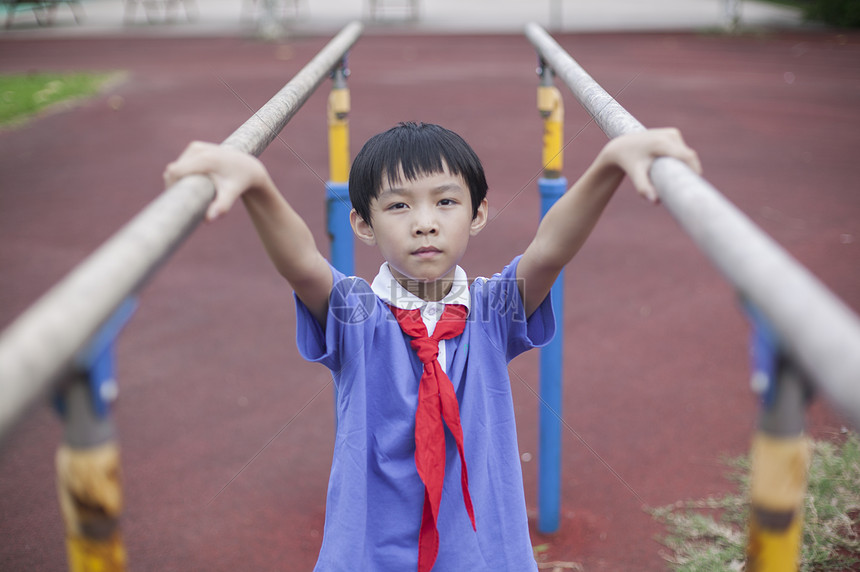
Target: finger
688 157
693 161
183 168
221 204
195 158
643 185
679 150
170 175
684 152
217 208
213 212
650 194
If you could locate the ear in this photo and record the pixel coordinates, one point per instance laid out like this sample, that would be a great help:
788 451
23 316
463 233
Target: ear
480 220
361 228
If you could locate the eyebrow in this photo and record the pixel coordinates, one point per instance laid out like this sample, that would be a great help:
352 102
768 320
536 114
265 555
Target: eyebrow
400 191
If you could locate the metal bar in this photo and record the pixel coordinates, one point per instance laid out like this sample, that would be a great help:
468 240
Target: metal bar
607 113
262 128
42 342
814 327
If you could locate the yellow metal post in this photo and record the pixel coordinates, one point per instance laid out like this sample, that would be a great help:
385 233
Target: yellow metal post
551 107
338 127
88 483
91 503
778 488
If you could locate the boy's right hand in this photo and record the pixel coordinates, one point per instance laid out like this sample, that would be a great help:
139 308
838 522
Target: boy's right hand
231 171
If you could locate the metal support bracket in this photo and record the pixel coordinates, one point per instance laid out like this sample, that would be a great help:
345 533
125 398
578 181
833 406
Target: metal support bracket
340 72
97 363
764 355
545 72
546 102
768 361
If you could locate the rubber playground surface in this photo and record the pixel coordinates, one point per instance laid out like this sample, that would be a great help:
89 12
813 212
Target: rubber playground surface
227 433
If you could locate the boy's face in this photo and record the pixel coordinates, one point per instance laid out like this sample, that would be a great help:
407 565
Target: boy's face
422 228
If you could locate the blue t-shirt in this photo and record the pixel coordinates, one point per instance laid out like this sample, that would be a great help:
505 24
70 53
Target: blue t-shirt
375 496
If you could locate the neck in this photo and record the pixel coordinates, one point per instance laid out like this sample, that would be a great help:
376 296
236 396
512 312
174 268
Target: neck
428 291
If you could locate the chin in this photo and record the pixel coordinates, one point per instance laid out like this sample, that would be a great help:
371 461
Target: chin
424 279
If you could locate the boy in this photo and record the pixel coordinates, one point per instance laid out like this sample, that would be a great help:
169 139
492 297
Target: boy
419 357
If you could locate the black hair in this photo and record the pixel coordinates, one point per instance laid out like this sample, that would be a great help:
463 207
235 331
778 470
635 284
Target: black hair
412 150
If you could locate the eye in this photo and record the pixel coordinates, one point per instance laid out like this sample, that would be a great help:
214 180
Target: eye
447 202
396 206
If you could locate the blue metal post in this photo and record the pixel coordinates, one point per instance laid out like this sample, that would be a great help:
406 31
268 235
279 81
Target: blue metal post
549 447
339 229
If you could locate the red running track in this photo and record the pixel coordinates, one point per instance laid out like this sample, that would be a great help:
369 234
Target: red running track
227 433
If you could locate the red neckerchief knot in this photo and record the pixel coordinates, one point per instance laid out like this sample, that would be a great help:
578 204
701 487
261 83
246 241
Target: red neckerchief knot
436 401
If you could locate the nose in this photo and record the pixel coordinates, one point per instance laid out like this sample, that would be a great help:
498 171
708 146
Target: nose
425 223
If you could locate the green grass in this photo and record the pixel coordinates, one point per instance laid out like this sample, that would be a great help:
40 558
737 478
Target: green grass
839 13
792 3
24 95
710 534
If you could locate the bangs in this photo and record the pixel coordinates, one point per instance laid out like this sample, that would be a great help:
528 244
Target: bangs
423 160
410 151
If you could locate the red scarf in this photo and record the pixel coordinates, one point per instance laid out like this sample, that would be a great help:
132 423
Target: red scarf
436 401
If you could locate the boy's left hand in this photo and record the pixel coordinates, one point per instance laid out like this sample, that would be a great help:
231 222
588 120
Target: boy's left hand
635 152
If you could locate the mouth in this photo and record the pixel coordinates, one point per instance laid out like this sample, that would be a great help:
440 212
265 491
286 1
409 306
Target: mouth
426 251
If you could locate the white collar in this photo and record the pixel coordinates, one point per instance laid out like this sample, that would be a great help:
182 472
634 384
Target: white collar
391 292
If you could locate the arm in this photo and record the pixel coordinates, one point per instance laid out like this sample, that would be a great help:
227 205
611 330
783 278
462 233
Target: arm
285 236
571 219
